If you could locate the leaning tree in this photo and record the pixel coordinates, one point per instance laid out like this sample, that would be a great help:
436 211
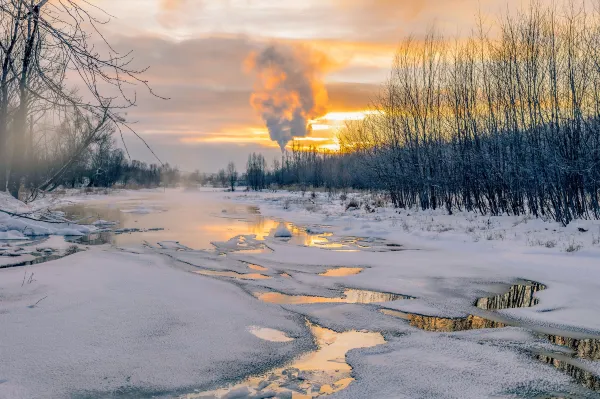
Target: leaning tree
46 49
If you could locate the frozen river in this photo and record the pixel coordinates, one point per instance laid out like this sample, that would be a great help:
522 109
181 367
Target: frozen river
196 294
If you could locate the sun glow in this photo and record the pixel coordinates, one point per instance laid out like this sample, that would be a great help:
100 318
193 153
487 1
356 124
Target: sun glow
346 116
323 134
325 128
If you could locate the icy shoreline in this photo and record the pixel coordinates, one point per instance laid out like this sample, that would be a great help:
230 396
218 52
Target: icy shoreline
172 331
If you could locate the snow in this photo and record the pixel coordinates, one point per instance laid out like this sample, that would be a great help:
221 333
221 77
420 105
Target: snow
120 321
11 235
448 261
282 232
137 312
462 365
269 334
315 230
31 228
10 204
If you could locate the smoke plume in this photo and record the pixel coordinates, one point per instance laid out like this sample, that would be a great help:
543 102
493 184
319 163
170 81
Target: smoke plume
288 91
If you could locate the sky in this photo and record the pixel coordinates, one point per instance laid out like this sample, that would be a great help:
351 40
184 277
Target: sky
200 56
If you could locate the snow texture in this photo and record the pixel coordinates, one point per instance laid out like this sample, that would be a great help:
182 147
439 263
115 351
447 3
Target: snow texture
113 322
282 232
136 322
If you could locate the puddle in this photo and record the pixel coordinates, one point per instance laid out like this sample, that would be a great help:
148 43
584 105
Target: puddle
440 324
230 274
350 296
257 267
585 348
323 371
269 334
577 371
342 272
520 295
101 238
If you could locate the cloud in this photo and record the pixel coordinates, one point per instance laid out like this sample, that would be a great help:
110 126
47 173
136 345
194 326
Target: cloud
196 50
209 91
171 12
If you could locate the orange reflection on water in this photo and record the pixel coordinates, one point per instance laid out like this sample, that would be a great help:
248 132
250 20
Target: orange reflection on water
350 296
257 267
441 324
324 371
341 272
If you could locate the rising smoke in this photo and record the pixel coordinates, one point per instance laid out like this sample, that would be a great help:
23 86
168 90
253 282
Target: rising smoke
288 91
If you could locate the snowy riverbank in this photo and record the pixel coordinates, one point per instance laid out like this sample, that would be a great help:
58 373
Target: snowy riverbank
111 322
134 321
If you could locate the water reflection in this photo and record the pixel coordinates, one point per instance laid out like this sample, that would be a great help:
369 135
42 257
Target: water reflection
580 374
440 324
186 220
586 348
257 267
518 296
101 238
230 274
157 217
35 261
323 371
342 272
350 296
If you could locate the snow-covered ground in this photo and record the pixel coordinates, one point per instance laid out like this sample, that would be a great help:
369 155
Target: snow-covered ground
110 322
448 262
132 320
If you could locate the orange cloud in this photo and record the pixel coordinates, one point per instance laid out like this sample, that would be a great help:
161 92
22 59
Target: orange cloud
170 12
171 5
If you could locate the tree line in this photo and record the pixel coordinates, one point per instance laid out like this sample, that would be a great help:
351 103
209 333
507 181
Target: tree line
506 121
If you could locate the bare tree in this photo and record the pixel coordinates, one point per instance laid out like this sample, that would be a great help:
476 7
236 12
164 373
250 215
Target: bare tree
232 175
502 125
39 42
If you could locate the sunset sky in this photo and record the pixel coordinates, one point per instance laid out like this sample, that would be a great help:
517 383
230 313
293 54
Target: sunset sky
196 50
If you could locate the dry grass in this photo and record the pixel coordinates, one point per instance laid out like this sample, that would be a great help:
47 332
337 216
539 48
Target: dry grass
573 246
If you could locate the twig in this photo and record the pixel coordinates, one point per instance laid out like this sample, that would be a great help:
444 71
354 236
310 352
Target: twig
35 304
23 216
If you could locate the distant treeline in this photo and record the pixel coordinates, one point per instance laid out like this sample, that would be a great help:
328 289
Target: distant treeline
99 164
305 169
507 123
